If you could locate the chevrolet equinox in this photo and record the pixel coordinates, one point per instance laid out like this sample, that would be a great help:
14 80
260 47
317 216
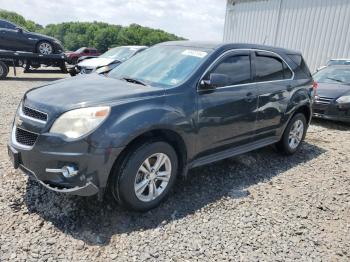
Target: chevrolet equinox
175 106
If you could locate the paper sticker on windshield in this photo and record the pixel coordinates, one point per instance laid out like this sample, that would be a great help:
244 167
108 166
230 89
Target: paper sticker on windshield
195 53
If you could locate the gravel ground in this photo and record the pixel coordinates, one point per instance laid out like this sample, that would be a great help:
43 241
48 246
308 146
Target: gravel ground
258 206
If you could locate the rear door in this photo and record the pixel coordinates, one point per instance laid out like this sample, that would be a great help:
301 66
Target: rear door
274 83
227 114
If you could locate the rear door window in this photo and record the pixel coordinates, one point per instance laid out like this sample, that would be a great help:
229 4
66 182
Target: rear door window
270 68
236 67
7 25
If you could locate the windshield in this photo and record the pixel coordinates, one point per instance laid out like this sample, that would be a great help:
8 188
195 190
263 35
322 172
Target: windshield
80 50
333 75
161 65
120 53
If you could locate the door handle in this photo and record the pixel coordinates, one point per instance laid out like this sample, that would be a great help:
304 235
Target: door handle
249 97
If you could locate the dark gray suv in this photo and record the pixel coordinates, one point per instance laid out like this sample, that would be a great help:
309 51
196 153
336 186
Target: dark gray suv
175 106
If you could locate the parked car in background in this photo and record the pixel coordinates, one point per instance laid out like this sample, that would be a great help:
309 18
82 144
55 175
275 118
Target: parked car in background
333 93
335 61
15 38
340 61
73 57
108 60
174 106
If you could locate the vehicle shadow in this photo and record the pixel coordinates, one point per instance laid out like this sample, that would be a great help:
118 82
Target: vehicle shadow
96 223
341 126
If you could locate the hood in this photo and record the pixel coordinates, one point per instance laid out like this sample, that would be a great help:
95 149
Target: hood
86 90
333 91
96 62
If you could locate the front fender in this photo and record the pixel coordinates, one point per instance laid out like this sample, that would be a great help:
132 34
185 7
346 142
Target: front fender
128 121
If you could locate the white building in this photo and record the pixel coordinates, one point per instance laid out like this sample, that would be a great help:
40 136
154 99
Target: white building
320 29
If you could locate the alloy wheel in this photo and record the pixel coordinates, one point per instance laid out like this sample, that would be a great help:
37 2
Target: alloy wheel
45 48
296 134
152 177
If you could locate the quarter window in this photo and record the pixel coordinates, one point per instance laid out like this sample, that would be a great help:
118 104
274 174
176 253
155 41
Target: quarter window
237 68
270 68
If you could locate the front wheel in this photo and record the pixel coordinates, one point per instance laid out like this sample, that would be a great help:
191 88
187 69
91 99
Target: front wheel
293 135
146 176
45 48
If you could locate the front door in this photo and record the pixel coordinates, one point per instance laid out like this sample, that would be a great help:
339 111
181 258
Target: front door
227 114
14 39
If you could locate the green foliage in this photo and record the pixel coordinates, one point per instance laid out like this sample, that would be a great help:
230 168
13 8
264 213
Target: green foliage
74 35
19 20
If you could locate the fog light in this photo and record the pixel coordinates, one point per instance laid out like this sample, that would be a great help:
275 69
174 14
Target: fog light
66 171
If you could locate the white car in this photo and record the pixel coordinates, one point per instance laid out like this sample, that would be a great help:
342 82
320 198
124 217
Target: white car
108 60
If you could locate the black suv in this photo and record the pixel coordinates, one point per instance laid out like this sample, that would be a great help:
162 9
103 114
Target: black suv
13 37
175 106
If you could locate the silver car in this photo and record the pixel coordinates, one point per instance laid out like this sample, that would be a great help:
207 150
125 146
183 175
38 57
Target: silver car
108 60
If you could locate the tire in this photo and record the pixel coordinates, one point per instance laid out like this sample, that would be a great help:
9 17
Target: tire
45 48
292 137
4 70
133 181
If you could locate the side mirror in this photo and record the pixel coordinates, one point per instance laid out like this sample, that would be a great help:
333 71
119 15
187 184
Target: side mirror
215 80
19 30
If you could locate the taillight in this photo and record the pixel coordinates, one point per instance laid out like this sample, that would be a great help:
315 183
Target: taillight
315 86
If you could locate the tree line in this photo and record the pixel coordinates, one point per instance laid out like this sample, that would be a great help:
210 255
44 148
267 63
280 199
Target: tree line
74 35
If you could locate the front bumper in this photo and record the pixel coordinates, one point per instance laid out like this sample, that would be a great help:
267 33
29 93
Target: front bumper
93 164
88 189
332 111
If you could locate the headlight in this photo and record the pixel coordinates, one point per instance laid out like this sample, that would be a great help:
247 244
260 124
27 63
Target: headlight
79 122
103 69
343 99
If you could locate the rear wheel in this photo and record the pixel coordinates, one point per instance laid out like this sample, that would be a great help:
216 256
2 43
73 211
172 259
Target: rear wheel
3 70
293 135
45 48
146 176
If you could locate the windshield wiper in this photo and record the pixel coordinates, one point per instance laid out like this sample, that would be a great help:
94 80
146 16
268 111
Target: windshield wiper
337 80
134 80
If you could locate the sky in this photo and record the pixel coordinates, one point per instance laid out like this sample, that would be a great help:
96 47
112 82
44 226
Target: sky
192 19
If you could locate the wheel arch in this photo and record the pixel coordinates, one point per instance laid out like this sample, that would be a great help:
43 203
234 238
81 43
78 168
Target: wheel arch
305 110
44 40
169 136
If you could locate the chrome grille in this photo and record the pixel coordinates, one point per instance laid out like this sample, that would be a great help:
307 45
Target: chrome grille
25 137
33 113
324 100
